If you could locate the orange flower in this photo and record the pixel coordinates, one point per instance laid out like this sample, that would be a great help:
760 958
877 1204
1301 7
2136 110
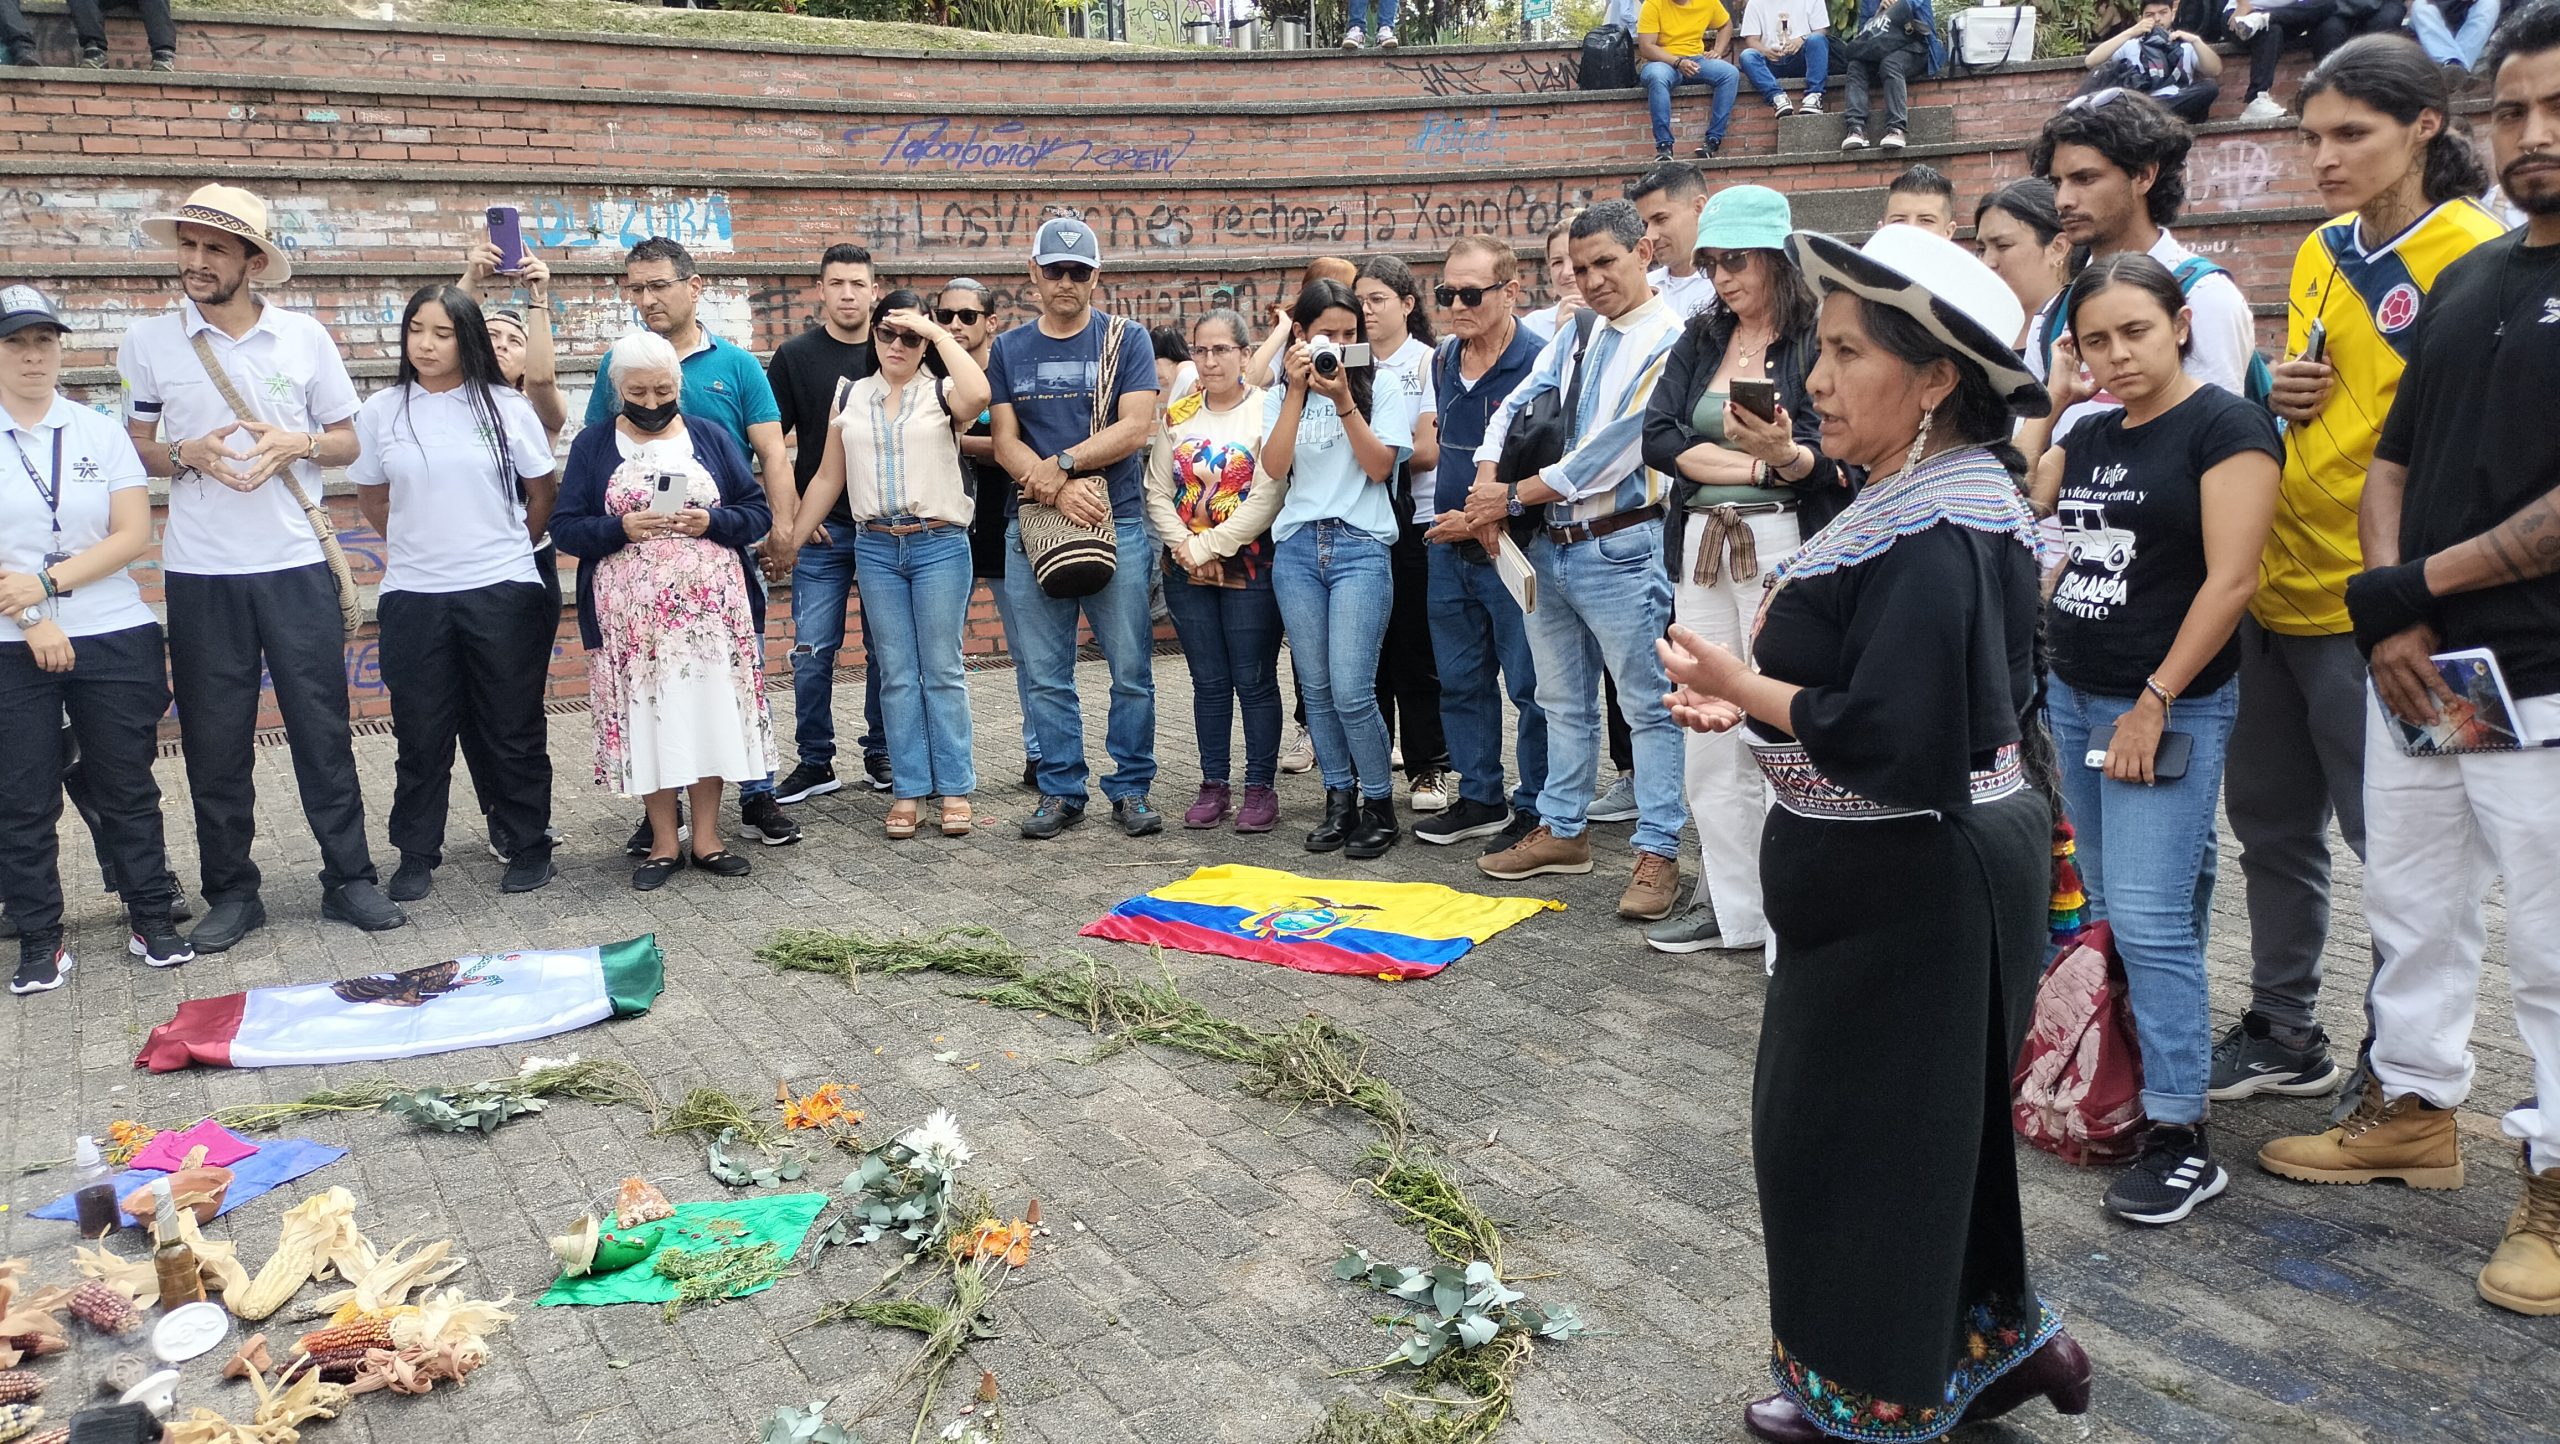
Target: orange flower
125 1138
990 1239
820 1109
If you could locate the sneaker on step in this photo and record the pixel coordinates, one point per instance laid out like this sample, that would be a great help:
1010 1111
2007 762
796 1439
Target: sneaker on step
1782 107
2251 1060
2175 1173
1352 39
1430 792
1853 141
2524 1274
1461 820
1812 104
43 964
1301 754
809 779
2400 1138
1654 889
1893 140
1617 804
1537 854
1210 807
2265 110
1386 37
1693 930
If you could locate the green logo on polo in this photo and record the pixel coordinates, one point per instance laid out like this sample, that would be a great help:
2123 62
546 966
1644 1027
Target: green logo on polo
486 434
280 387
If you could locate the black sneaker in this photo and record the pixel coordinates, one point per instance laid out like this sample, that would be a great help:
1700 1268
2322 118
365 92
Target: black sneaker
1054 815
1137 816
164 60
1463 819
93 57
2251 1059
2175 1173
412 880
763 819
157 943
644 837
527 874
362 904
1030 774
1523 822
875 771
809 779
502 846
1711 150
226 923
43 962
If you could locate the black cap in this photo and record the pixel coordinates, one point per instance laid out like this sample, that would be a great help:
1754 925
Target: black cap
24 306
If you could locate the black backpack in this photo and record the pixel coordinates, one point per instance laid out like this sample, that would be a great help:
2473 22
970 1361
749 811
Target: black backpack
1608 60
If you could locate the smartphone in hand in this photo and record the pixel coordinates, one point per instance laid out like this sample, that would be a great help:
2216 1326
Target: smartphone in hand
666 493
1760 398
2315 347
506 233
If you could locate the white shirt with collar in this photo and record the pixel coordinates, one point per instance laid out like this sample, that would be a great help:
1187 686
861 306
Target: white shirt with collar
288 370
1685 295
2225 335
457 511
97 460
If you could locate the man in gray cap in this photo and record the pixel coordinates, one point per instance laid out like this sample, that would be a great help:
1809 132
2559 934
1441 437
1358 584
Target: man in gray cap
1045 375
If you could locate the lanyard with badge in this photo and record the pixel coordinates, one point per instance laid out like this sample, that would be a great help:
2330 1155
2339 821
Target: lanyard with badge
52 496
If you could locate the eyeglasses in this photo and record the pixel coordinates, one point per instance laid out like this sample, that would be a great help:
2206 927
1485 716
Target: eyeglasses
651 290
1732 263
895 336
1213 352
1467 296
2096 99
1075 271
958 317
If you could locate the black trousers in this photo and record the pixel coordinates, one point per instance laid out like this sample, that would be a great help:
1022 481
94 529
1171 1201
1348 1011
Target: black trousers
1408 675
469 664
115 693
222 629
2325 23
475 755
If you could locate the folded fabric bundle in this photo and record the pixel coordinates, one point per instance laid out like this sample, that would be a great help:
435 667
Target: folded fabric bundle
168 1152
272 1166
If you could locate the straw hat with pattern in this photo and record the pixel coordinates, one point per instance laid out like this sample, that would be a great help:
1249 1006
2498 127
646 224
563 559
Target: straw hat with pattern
227 208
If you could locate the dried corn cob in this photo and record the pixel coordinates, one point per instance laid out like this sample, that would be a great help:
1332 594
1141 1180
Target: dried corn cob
18 1420
104 1307
17 1386
59 1434
367 1331
36 1346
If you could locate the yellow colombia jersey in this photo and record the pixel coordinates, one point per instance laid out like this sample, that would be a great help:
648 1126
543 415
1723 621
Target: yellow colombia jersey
2370 303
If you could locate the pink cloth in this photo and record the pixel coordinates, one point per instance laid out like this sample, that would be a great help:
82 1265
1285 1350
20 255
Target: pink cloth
168 1152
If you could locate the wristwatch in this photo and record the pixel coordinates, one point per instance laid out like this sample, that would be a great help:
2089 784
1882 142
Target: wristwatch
1511 500
30 617
1067 462
313 449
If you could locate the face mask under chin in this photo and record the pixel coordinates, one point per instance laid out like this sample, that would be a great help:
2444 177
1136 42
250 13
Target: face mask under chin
651 419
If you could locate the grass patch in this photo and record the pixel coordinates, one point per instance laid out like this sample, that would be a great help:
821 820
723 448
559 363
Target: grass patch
611 17
1433 1203
708 1112
600 1081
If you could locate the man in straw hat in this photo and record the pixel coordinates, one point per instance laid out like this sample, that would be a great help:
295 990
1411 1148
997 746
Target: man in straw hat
248 585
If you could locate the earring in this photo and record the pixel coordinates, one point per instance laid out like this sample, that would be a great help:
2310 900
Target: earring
1920 443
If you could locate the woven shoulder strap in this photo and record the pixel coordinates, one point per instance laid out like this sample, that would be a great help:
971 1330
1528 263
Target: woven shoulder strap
240 411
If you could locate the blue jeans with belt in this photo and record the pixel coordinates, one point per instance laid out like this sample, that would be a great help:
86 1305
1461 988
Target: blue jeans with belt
1481 641
1602 604
1336 584
916 608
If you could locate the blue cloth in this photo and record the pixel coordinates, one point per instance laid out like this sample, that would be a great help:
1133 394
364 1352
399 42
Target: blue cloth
1049 384
1336 586
1465 410
1021 674
1325 480
1813 62
1601 604
1231 642
915 607
270 1168
2146 857
2446 45
1044 638
1481 642
821 581
580 527
722 383
1660 80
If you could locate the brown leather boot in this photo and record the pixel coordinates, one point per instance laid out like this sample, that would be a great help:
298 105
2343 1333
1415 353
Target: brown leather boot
2402 1138
2059 1371
2524 1274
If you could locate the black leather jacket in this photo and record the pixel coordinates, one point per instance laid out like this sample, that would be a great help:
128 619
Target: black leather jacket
1693 362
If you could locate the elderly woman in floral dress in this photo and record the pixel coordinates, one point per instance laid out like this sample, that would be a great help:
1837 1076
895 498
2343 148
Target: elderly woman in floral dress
668 606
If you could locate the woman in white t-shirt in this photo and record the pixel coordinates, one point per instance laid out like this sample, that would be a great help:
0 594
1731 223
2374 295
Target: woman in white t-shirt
455 470
1408 676
75 510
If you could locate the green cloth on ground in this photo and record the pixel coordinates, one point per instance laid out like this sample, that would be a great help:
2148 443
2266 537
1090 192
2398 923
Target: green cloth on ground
781 1219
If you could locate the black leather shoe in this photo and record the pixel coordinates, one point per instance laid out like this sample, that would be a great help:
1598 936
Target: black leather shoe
721 864
527 873
2059 1371
362 904
226 923
412 880
1341 814
1374 830
1778 1420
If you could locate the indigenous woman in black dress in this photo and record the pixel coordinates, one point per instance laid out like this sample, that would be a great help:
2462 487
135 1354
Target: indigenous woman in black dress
1888 703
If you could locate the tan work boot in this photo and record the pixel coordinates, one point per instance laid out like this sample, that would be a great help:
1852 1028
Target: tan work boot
1654 889
2400 1139
1540 852
2524 1274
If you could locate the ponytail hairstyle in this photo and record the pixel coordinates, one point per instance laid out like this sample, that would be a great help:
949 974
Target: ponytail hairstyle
1318 297
1392 273
2029 201
2139 272
2390 74
478 362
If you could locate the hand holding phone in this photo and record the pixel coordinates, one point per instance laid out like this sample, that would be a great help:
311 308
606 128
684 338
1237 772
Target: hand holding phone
1760 398
2315 347
666 493
506 235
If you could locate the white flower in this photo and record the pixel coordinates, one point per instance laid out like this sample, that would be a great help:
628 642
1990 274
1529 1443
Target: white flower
938 1139
537 1065
958 1427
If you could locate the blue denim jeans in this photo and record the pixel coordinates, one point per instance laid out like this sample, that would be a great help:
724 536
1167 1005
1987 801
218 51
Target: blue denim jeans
1231 640
1360 20
1336 584
2447 46
821 580
2146 856
1813 62
1482 643
1045 642
1003 598
1659 81
1602 604
915 610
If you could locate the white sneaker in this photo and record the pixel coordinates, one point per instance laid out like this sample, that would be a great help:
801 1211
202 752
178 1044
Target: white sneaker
1893 140
1783 107
1430 792
1812 104
1386 37
2265 110
1352 38
1301 754
1618 804
1853 141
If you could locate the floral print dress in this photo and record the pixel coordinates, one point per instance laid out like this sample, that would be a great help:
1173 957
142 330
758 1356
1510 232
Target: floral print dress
677 689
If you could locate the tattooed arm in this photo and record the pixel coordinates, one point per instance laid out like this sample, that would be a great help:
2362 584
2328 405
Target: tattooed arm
2519 549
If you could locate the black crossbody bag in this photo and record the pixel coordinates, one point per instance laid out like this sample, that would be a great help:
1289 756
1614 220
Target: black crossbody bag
1543 431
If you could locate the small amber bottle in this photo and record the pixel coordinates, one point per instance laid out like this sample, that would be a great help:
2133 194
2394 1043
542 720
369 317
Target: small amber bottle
181 1277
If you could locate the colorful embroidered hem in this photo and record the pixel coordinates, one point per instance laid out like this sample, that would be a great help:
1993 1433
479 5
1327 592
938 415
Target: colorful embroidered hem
1994 1344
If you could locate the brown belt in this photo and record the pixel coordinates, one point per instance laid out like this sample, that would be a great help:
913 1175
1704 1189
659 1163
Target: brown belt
1598 527
908 528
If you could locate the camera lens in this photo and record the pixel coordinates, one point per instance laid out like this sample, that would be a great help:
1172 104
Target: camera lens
1327 363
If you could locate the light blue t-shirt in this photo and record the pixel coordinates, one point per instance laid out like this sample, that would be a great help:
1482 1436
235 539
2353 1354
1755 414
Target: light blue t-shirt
722 384
1325 480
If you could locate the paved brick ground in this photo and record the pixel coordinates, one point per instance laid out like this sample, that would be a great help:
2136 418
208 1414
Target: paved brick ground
1591 1092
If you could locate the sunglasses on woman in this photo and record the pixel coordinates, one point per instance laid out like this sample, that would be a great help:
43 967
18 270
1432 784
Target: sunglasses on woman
1467 296
959 317
1075 271
1732 263
893 336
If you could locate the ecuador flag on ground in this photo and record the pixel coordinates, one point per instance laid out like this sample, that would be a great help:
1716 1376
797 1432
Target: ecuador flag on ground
1316 925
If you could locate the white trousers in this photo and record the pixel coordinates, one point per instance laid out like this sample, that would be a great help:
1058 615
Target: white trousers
1727 797
2438 830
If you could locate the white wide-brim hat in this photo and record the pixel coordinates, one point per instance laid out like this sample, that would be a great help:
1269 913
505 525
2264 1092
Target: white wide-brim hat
1940 284
226 208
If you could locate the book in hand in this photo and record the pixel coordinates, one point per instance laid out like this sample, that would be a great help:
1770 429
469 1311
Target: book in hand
1512 565
2481 718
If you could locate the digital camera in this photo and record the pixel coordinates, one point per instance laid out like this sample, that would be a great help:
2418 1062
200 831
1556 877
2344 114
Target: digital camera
1329 357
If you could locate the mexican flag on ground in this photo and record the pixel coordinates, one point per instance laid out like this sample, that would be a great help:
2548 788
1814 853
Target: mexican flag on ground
473 1002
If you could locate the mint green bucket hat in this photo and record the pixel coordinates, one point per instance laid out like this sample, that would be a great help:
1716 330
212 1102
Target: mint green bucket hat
1745 218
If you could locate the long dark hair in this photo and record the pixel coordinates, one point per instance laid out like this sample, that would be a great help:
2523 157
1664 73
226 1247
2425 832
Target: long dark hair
1392 273
1318 297
2134 270
478 360
2390 74
2029 201
1794 311
907 298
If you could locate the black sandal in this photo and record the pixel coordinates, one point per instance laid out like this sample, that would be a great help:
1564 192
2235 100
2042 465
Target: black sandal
652 875
723 863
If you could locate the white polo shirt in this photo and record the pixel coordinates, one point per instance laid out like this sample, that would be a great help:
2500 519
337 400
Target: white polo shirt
1412 366
288 371
457 512
97 460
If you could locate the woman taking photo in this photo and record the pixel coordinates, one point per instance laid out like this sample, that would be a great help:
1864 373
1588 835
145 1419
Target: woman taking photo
1889 700
2165 507
75 637
661 516
1401 339
455 472
893 452
1751 490
1212 508
1334 438
2018 233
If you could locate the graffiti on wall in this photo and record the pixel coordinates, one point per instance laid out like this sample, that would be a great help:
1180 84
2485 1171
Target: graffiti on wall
1011 145
1510 75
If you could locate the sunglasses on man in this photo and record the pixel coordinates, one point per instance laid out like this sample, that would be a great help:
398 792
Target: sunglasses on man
1075 271
1467 296
958 317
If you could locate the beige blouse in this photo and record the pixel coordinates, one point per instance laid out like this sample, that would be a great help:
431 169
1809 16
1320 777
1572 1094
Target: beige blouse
902 458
